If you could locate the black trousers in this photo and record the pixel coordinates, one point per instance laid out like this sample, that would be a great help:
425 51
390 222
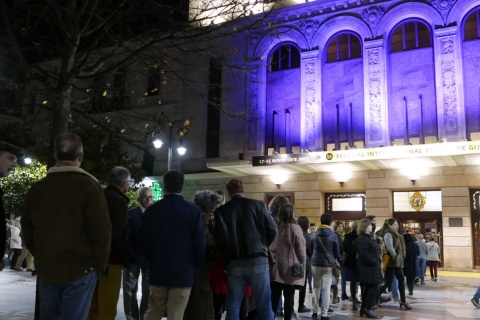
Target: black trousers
389 273
288 295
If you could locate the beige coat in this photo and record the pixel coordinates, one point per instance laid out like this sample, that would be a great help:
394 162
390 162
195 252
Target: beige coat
288 246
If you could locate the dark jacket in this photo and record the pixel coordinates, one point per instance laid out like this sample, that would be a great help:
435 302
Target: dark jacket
330 241
173 241
308 246
244 229
66 225
117 203
134 224
410 262
3 228
368 260
350 249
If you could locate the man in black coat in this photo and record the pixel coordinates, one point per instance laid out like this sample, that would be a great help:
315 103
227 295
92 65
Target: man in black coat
244 230
8 161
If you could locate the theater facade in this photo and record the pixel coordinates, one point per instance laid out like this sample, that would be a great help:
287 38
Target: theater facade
360 108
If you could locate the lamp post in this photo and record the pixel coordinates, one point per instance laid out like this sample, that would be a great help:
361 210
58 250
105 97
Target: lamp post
179 126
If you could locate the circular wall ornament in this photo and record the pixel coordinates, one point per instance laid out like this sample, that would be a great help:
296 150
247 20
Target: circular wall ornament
417 201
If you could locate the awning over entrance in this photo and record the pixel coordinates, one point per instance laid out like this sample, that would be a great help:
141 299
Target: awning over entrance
412 158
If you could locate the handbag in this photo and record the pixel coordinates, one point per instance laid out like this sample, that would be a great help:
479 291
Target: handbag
298 269
336 269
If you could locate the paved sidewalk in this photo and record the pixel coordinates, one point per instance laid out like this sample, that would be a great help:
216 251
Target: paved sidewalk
448 298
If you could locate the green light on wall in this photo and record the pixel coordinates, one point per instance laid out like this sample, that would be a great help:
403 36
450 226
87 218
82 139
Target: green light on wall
157 191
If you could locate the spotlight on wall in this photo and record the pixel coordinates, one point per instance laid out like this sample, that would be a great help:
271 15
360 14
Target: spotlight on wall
413 181
341 183
275 152
304 150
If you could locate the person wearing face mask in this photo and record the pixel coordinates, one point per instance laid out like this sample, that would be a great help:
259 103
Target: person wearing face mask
395 262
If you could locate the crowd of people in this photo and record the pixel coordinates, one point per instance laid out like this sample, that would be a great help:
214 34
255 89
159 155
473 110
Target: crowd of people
198 259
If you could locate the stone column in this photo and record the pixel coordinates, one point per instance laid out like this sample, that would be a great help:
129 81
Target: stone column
311 136
255 125
449 84
376 110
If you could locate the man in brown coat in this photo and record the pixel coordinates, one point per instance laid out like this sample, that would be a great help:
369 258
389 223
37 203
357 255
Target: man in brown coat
66 227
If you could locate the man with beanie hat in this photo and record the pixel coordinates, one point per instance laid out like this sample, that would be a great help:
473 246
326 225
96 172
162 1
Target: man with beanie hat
244 230
8 161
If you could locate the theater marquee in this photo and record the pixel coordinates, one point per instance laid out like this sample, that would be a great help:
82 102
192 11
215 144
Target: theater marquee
394 152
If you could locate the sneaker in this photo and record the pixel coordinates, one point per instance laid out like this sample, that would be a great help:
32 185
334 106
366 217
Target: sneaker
330 310
314 316
435 279
324 318
475 302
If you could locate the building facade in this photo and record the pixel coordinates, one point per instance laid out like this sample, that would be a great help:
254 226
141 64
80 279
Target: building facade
362 107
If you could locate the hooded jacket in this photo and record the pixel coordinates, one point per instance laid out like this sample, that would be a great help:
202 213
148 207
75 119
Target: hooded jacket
330 241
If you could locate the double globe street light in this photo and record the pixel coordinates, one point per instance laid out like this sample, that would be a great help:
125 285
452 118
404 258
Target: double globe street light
176 127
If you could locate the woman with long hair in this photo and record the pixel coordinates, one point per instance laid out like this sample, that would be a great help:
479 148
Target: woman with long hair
369 270
433 257
338 228
288 247
396 254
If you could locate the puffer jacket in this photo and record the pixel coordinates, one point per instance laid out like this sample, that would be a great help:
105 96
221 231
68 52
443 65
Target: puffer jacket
330 241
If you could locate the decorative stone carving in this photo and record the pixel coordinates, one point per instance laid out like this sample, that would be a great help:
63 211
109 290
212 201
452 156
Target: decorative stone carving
309 27
443 6
252 123
449 97
310 101
372 16
375 95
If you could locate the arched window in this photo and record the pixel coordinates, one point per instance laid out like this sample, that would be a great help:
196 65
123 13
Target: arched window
285 56
343 47
411 35
471 28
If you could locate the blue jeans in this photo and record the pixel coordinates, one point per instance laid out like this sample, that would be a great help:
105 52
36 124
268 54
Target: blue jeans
395 294
239 275
67 301
477 294
421 267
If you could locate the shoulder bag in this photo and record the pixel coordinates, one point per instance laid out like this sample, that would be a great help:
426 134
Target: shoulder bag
298 269
335 265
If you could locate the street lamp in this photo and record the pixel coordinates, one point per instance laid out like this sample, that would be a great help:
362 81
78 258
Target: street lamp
179 126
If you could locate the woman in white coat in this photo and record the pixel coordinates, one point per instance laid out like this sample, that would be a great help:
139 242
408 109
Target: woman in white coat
15 243
433 257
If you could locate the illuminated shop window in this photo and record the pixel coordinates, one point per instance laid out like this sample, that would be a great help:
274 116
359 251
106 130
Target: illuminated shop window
286 56
471 28
345 202
411 35
343 47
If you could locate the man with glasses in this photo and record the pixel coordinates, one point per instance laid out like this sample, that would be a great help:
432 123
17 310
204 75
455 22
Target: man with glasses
105 297
137 263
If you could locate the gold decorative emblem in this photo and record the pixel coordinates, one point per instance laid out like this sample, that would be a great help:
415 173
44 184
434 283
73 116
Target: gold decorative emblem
417 201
